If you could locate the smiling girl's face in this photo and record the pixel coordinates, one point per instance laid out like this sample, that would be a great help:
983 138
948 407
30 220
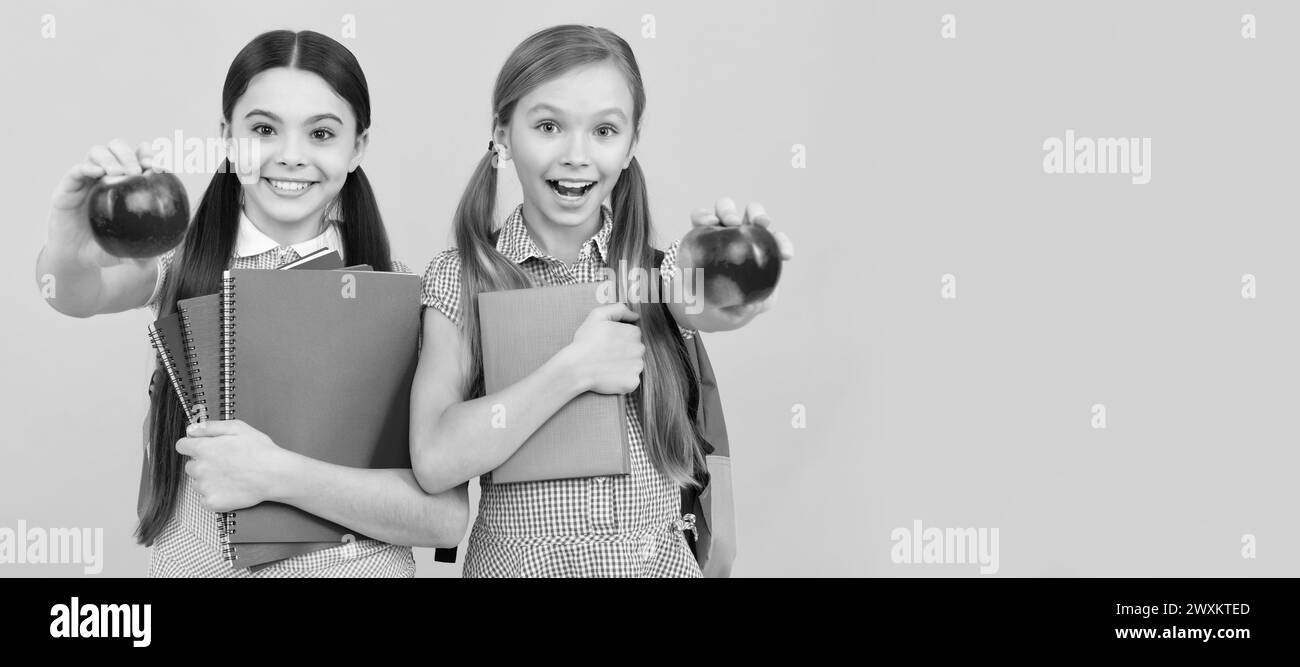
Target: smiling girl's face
570 139
308 144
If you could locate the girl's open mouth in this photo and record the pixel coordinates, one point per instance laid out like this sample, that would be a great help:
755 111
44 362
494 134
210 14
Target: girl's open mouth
571 189
288 188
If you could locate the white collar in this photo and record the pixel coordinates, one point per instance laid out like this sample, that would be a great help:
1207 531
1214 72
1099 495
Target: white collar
253 241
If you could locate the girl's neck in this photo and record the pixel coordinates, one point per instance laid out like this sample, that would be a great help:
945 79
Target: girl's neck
287 234
559 241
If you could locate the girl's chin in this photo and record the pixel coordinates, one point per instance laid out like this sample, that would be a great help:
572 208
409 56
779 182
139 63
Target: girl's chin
289 214
569 218
572 216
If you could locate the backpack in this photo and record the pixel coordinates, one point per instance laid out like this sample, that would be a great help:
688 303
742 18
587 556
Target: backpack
714 544
713 540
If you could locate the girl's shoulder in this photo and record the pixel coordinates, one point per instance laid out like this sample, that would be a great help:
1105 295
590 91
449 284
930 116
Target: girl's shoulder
440 284
443 271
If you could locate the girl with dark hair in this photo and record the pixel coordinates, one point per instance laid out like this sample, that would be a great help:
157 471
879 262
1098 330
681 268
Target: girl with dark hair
567 111
302 98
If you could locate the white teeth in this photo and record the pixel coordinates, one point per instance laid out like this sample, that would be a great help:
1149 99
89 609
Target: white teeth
291 186
575 184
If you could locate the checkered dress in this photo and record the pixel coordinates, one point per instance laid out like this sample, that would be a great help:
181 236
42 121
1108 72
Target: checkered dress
189 545
618 526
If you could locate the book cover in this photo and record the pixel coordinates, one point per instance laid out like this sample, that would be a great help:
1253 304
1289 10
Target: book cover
521 330
322 362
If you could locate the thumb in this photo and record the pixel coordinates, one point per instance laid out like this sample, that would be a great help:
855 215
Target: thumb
614 312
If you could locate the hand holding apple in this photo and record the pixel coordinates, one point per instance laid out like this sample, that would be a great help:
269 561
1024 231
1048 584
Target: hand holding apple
139 216
740 257
112 208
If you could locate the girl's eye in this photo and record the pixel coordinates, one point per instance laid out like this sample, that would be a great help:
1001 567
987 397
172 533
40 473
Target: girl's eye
606 131
257 129
548 127
322 134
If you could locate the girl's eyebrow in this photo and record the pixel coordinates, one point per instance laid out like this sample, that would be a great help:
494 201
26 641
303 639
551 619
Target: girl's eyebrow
324 116
259 112
313 119
543 107
614 111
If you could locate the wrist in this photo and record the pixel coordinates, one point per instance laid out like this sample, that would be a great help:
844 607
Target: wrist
62 249
283 475
565 373
66 229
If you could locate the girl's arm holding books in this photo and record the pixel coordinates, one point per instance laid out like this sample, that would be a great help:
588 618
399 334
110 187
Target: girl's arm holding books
453 440
234 466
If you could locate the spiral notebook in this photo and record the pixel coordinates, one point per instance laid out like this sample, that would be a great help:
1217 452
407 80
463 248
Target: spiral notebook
200 328
521 330
167 341
322 362
200 324
200 321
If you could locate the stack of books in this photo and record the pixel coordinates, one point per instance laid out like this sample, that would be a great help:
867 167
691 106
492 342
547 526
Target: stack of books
319 359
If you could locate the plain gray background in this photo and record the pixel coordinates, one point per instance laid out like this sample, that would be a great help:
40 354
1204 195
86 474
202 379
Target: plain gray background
923 158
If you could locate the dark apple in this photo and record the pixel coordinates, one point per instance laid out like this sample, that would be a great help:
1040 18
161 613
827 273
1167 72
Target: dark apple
139 216
742 258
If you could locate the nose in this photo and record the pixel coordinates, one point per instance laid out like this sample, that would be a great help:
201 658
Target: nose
575 152
291 152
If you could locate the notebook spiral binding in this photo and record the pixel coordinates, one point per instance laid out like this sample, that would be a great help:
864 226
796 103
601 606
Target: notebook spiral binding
226 528
192 365
228 347
169 365
226 521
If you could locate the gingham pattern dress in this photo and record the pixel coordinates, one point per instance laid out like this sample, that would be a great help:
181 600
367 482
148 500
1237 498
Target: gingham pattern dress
617 526
189 545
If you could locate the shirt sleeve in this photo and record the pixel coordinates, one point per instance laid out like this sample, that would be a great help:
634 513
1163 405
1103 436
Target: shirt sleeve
160 283
440 286
667 271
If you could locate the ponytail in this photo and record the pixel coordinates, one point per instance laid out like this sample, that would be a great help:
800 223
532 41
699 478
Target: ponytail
631 207
365 239
667 413
482 268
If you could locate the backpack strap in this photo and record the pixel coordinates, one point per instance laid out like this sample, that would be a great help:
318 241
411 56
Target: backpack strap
713 542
